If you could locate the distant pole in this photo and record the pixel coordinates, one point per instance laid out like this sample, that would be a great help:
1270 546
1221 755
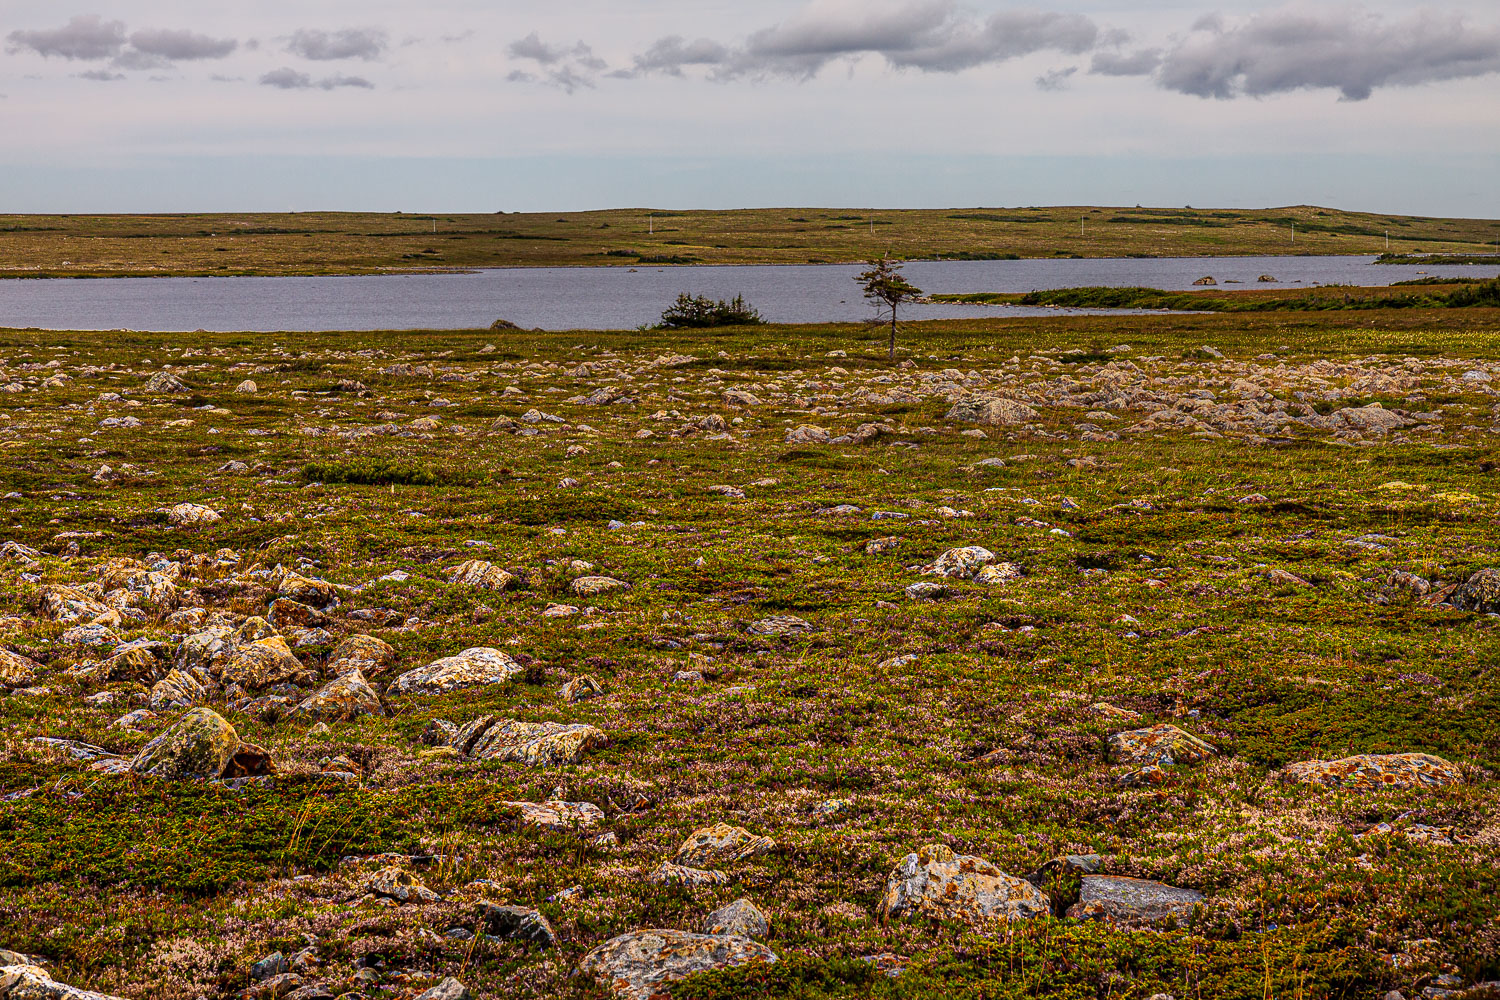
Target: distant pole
1387 241
1294 232
1080 225
434 225
653 223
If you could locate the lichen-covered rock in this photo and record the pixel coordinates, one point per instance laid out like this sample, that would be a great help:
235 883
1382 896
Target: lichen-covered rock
260 663
593 586
536 744
164 383
206 648
471 668
667 873
1373 419
581 689
1131 900
198 747
400 885
315 593
482 575
190 515
364 653
741 918
780 625
642 965
926 590
1480 592
448 989
721 844
935 882
29 982
518 923
1158 743
960 564
68 605
999 573
1367 772
559 817
178 689
286 613
993 411
16 670
342 699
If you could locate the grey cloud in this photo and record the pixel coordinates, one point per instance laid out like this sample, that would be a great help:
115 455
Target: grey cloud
101 75
1349 50
86 37
934 36
1056 79
1142 63
532 47
569 68
287 78
181 45
350 43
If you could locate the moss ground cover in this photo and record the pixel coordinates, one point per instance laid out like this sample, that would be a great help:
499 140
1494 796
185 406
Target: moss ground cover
1253 543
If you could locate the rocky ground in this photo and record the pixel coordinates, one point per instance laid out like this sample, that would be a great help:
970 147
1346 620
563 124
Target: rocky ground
1058 659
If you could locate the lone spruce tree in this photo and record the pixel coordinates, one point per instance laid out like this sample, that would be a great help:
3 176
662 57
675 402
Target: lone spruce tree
885 283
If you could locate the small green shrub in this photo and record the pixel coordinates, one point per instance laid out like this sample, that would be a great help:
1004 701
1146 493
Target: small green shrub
691 312
385 472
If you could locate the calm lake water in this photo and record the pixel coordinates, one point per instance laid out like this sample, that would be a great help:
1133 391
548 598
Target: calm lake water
613 298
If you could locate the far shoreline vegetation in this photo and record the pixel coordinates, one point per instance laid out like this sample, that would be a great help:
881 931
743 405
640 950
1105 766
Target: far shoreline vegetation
340 243
1436 293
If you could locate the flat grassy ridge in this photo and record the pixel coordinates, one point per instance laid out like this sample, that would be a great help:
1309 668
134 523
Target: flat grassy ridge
355 243
1201 543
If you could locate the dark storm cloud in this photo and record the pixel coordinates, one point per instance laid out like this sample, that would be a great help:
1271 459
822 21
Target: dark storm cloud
350 43
176 46
933 36
1349 50
86 37
287 78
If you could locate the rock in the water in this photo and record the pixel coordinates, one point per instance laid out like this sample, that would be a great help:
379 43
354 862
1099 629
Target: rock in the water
1117 898
721 844
364 653
1373 771
28 982
448 989
342 699
593 586
741 918
400 885
641 965
521 923
994 411
16 670
536 744
471 668
935 882
483 575
1480 592
960 564
199 746
1158 743
559 816
581 689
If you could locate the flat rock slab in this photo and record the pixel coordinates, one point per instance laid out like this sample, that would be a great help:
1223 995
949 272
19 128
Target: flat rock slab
472 668
641 965
1150 746
537 744
559 817
721 844
1372 771
1117 897
935 882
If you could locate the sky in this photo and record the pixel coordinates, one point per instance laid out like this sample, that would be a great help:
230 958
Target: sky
497 105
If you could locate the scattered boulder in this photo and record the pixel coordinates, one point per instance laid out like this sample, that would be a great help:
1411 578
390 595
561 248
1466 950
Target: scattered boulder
190 515
470 668
68 605
482 575
593 586
581 689
960 564
261 663
342 699
1159 744
449 988
164 383
781 625
247 387
998 574
1368 772
1119 899
198 747
535 744
667 873
17 671
807 434
519 923
401 885
929 591
30 982
741 918
992 411
1479 593
641 965
178 689
559 817
721 844
316 593
934 882
364 653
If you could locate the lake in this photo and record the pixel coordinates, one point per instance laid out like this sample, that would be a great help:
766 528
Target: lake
613 298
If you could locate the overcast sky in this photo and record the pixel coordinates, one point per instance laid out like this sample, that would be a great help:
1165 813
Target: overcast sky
486 105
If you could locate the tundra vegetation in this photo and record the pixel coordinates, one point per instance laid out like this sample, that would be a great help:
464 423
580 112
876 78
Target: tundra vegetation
350 243
1077 657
